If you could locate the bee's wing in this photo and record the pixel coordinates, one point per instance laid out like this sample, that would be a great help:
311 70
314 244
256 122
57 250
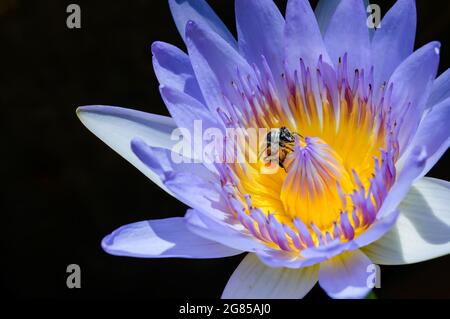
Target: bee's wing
273 145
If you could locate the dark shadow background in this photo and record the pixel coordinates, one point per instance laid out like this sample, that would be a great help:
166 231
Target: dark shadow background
64 189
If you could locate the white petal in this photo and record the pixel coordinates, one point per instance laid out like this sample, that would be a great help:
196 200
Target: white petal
422 230
118 126
252 279
346 275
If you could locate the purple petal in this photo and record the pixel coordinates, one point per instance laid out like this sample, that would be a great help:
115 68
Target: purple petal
376 231
327 251
388 213
434 134
412 82
173 68
160 239
185 110
277 258
346 276
260 27
302 36
212 227
192 183
166 163
440 90
348 33
200 12
198 193
254 280
313 255
394 41
215 63
414 165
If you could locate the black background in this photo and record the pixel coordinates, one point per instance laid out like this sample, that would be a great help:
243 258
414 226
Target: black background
64 189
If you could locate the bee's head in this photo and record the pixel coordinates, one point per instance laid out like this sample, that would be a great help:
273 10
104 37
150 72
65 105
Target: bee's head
286 135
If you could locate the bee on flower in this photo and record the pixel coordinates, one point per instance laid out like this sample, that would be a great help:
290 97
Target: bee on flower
355 120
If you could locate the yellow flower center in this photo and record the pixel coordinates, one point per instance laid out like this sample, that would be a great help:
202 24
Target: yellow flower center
333 178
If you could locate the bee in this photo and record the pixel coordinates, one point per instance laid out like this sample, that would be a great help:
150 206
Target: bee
279 143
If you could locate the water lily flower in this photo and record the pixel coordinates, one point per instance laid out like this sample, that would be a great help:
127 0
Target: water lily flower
370 117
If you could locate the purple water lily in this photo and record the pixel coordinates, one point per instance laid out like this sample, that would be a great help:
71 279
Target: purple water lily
367 117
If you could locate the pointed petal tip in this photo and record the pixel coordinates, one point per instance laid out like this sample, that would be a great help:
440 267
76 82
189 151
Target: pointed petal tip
436 45
156 47
84 108
202 13
84 112
97 108
106 243
81 111
142 150
159 48
437 48
78 111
